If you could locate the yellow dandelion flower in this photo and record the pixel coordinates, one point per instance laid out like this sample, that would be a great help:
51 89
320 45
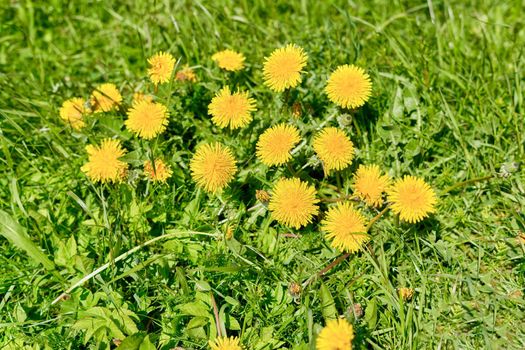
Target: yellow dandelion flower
275 144
104 164
336 335
369 184
293 202
412 198
334 148
233 110
105 98
73 111
139 97
349 86
282 69
229 60
147 119
345 227
161 67
225 343
160 173
212 167
186 74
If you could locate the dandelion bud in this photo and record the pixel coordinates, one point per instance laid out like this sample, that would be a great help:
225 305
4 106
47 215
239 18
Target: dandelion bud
294 289
405 293
357 311
262 196
296 110
228 232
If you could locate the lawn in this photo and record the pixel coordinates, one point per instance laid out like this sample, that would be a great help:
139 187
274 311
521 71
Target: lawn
139 264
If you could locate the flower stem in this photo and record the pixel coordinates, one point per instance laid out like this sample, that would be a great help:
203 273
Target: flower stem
286 99
338 179
377 217
467 182
333 264
151 157
216 314
173 73
355 123
290 169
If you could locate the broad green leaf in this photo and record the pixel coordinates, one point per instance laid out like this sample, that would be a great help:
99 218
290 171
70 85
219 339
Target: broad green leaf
137 341
198 321
198 332
105 324
20 313
398 107
232 301
371 314
132 342
327 303
197 308
65 252
202 286
181 279
147 344
267 332
232 323
17 235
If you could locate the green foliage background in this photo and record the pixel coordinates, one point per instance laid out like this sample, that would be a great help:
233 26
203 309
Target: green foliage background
447 105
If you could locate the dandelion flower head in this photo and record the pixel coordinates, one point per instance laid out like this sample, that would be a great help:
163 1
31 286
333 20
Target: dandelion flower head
412 198
282 69
229 60
233 110
157 172
345 227
369 184
293 202
336 335
225 343
213 167
147 119
334 148
105 98
73 111
104 164
349 86
275 144
161 67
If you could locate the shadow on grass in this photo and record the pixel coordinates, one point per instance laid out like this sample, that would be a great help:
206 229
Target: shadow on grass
366 117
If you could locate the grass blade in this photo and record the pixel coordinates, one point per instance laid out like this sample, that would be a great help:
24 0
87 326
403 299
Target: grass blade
17 235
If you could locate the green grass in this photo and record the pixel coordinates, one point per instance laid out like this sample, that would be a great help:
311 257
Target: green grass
447 105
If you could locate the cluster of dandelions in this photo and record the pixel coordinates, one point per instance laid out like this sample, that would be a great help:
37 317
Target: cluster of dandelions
146 118
292 201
